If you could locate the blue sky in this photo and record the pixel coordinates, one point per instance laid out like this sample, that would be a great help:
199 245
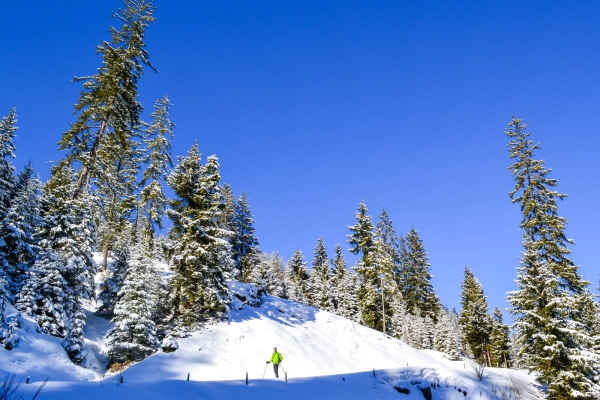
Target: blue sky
313 106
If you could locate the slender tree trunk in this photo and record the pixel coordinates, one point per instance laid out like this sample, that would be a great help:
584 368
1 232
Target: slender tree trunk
84 177
383 305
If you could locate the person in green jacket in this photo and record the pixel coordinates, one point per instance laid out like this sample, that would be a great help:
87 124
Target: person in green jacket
276 359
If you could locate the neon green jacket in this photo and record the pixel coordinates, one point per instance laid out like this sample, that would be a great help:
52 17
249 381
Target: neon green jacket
276 358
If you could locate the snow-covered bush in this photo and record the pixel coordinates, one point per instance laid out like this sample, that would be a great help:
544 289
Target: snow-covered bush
169 344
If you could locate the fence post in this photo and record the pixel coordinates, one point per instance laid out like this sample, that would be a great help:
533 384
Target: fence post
246 379
188 377
373 372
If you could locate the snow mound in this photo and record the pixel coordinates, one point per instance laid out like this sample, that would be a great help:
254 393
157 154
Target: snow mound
325 357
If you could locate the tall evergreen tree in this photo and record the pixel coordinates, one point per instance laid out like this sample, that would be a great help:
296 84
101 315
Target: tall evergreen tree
297 278
361 236
7 170
414 278
474 319
390 239
555 337
133 337
202 254
245 243
158 158
320 284
108 106
499 340
17 230
381 274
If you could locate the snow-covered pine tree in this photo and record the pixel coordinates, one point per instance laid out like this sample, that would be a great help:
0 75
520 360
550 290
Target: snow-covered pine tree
133 336
320 282
499 340
361 236
414 277
45 293
113 280
108 106
69 231
297 278
261 275
7 170
244 242
386 231
17 230
554 335
158 134
7 184
444 336
202 257
228 212
276 265
380 272
474 319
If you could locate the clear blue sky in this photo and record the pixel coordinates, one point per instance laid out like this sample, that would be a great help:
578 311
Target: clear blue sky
313 106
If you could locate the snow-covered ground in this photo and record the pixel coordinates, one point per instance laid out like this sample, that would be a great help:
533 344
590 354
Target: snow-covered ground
325 357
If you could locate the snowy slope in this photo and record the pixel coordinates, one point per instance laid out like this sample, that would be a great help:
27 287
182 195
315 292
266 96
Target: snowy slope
325 357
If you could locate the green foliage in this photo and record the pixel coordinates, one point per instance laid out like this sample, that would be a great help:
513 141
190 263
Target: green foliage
555 338
202 257
474 319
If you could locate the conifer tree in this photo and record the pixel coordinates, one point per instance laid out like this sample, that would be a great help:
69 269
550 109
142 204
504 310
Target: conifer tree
390 239
554 336
361 236
277 271
7 170
17 230
228 212
474 319
108 108
320 284
380 272
414 278
499 340
202 257
113 281
297 278
158 157
445 336
244 241
45 293
133 337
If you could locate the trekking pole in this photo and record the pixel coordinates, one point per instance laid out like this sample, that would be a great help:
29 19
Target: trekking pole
265 371
281 365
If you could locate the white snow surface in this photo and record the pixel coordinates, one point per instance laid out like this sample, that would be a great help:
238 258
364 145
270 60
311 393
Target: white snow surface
325 357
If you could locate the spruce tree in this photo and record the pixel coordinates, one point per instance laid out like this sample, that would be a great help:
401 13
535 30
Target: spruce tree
277 271
320 284
554 336
499 340
414 277
202 257
361 236
297 278
380 272
244 241
108 108
474 319
113 280
158 134
7 170
45 293
133 337
17 230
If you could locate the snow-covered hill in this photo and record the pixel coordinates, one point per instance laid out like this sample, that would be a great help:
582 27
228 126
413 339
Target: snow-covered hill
325 357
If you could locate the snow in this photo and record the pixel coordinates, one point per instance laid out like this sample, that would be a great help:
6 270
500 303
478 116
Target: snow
325 357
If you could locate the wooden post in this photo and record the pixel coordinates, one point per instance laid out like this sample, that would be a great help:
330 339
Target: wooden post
373 372
246 379
27 381
188 378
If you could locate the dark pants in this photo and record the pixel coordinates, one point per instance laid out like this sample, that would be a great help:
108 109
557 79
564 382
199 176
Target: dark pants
276 369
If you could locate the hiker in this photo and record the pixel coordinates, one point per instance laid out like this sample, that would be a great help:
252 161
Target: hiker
276 359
